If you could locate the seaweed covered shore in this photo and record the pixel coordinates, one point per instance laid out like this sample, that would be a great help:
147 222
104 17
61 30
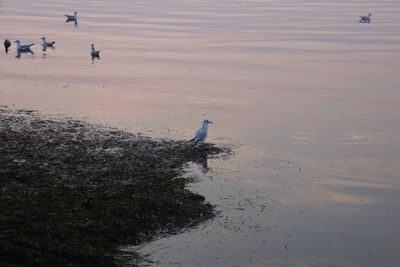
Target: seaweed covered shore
71 193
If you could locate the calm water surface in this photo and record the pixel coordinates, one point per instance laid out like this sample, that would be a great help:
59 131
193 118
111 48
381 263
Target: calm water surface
308 97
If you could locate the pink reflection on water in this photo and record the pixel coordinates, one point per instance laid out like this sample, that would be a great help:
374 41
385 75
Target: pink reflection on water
308 96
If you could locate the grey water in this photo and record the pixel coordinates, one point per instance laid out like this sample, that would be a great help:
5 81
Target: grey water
307 97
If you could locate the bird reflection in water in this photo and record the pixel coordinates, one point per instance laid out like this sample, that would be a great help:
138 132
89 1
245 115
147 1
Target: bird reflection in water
95 57
203 163
45 48
26 51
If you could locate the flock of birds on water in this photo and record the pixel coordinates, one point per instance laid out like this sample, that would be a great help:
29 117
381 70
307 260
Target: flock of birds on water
200 135
26 48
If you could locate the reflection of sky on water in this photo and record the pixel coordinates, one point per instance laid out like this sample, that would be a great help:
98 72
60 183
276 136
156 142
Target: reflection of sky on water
307 96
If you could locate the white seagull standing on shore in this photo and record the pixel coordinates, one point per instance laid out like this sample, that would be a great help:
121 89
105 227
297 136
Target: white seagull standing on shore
202 133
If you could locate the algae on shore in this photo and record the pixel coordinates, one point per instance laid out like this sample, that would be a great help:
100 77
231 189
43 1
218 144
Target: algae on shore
72 193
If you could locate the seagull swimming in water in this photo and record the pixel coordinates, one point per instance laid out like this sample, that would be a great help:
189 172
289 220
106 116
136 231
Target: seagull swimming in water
47 44
94 53
366 18
23 48
202 133
72 17
7 44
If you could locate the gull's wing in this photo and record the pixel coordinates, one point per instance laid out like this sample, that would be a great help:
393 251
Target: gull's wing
24 47
201 134
197 132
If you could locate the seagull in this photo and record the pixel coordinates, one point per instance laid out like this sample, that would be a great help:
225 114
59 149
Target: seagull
72 17
366 18
47 44
7 44
201 133
23 48
94 53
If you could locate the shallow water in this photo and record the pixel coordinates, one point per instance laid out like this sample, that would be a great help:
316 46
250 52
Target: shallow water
308 97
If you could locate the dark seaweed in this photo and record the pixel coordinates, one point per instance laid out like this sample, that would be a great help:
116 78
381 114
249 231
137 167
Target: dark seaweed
71 193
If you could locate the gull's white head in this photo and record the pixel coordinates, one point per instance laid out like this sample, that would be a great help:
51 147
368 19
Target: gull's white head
206 122
18 44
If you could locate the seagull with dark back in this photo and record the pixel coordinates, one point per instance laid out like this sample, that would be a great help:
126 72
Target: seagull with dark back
23 48
47 44
72 17
366 19
94 53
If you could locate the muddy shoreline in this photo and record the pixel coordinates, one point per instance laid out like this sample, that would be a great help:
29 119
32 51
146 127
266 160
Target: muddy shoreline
73 193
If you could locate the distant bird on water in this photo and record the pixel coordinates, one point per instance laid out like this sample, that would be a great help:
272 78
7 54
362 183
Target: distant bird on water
47 44
72 17
23 48
366 18
202 133
7 44
94 53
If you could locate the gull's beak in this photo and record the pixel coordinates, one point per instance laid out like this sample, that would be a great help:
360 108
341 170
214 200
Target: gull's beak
210 122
